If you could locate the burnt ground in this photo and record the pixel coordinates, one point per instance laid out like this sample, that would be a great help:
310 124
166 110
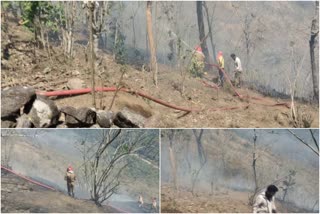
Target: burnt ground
19 195
221 201
29 66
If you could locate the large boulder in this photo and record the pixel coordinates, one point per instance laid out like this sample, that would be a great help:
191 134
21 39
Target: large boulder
82 117
24 122
127 118
75 83
15 98
44 113
105 118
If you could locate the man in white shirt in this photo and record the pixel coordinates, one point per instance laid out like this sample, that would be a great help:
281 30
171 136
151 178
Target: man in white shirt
238 71
265 202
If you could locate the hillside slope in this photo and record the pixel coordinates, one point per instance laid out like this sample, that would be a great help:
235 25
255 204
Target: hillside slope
44 74
19 195
228 172
47 163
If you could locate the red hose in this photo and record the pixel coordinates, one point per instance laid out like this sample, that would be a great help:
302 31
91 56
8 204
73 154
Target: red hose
28 179
43 185
241 96
110 89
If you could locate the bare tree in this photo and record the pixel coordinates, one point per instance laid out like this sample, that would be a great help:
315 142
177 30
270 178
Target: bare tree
201 153
202 158
301 140
202 30
313 43
209 22
292 76
254 160
91 7
288 184
171 135
68 28
153 59
106 159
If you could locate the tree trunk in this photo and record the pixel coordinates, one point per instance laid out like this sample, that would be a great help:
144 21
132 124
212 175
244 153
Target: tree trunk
153 59
210 32
92 63
254 159
312 43
201 153
134 34
202 31
115 41
172 159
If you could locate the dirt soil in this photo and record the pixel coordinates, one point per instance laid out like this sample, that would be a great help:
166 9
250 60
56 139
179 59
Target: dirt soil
221 201
31 66
18 195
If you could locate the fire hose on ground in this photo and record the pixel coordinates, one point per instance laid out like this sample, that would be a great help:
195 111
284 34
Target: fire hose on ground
28 179
161 102
142 94
238 94
43 185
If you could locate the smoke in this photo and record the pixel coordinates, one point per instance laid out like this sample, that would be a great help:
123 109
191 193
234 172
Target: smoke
45 156
229 163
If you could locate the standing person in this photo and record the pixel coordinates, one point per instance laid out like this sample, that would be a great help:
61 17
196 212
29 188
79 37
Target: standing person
265 202
197 63
220 60
140 201
70 177
154 204
238 71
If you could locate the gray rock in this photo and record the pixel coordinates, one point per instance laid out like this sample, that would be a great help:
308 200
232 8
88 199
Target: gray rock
62 126
69 114
95 126
24 122
15 98
82 117
46 70
75 73
75 83
105 118
8 124
44 113
127 118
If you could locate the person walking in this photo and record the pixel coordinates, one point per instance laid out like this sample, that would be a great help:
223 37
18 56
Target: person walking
220 60
238 71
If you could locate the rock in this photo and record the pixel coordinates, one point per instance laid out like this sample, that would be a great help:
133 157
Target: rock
44 113
61 126
75 83
105 118
129 119
281 118
15 98
46 70
82 117
75 73
69 115
95 126
8 124
24 122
